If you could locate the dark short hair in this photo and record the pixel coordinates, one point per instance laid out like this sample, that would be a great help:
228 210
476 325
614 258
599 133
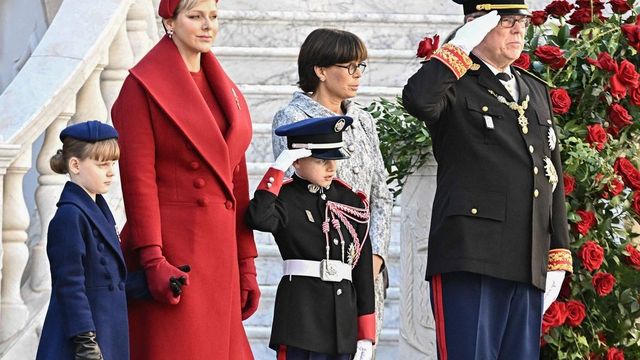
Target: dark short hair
325 47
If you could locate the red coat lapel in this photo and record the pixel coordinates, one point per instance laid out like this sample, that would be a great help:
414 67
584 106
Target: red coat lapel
233 105
164 75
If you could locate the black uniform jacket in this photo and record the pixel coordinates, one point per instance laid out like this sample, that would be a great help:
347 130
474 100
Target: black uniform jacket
494 211
309 313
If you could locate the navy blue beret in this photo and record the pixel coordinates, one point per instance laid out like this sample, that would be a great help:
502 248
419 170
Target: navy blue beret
323 136
89 131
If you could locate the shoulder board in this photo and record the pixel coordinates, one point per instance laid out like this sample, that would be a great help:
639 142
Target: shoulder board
524 72
361 194
343 183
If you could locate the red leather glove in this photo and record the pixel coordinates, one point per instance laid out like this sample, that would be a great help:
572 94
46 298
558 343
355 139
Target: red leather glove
159 275
249 290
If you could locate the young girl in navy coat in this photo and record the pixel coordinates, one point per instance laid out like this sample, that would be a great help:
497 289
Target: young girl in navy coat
87 315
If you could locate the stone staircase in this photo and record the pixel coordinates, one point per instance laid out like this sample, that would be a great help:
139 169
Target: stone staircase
258 46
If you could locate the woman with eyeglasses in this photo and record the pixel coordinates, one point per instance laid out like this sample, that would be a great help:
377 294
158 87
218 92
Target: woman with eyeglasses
330 66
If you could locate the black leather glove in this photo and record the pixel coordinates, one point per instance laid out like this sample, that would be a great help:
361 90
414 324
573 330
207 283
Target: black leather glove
87 347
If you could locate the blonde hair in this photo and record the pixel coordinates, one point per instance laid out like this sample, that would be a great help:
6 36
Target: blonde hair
105 150
185 5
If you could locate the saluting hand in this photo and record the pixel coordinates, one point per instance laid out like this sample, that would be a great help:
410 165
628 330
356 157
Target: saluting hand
288 156
473 32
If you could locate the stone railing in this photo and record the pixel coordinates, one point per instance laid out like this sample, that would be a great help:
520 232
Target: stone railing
74 74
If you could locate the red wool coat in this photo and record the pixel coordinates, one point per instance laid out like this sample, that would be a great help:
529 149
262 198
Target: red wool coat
186 189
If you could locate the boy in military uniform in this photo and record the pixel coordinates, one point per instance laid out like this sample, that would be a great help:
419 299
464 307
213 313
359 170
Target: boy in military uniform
324 306
498 243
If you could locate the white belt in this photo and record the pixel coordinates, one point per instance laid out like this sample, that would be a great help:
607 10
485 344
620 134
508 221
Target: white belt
327 270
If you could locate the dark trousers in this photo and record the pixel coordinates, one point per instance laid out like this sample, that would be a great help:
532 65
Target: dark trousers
480 317
293 353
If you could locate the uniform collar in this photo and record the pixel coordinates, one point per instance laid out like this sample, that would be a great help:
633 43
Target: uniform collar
310 187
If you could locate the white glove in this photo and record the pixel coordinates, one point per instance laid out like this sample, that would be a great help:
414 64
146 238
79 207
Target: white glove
552 288
288 156
365 350
472 33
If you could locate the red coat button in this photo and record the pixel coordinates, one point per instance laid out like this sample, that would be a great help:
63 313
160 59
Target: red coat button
202 202
194 165
199 183
228 204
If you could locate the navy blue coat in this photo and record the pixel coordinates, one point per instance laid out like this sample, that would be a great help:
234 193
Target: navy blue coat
88 279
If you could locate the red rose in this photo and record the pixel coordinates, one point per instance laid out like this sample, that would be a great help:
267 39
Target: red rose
560 100
523 62
598 5
632 33
558 8
613 188
575 31
603 283
576 312
635 204
634 96
580 16
617 88
630 175
627 74
538 17
551 55
619 6
604 62
615 354
588 220
555 316
596 136
427 46
619 116
569 183
633 259
591 255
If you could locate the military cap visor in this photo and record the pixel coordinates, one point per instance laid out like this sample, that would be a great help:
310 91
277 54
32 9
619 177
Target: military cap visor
503 7
89 131
323 136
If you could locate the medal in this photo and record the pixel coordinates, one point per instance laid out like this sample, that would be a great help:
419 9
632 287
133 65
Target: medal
551 136
550 172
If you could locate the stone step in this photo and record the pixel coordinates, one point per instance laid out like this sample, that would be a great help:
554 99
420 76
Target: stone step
278 66
343 6
288 29
265 100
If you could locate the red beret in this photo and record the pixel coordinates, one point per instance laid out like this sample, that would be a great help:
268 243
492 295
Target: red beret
167 8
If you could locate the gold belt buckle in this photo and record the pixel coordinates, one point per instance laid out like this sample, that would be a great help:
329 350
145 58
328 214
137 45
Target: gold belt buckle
329 270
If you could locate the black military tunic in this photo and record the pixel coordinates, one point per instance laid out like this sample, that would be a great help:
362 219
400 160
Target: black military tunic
312 314
495 210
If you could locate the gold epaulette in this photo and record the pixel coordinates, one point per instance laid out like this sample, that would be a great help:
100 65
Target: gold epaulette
454 58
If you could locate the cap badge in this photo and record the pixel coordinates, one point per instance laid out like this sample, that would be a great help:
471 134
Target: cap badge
339 125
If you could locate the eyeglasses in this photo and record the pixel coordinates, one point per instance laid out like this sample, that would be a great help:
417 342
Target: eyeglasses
510 21
351 68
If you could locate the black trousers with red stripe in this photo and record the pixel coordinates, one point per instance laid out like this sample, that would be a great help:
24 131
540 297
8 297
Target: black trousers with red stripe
294 353
480 317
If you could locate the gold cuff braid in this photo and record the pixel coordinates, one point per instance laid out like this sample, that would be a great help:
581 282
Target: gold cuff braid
560 259
455 59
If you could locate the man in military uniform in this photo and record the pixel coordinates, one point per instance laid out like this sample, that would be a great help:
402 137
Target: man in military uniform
324 307
498 243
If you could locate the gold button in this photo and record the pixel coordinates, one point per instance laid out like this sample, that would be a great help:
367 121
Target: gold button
535 170
474 211
549 121
484 108
531 149
536 193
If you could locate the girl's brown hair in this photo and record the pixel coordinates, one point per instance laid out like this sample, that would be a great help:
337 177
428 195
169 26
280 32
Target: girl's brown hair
105 150
326 47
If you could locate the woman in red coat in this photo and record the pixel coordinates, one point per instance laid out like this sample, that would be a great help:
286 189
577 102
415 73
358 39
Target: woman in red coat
184 129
